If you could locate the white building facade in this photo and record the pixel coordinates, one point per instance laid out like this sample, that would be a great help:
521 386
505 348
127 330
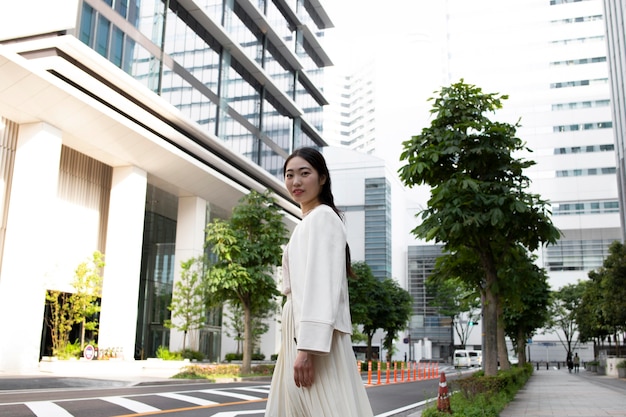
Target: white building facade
125 127
550 58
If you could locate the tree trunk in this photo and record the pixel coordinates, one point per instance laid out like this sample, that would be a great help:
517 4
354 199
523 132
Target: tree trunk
368 352
246 363
521 347
503 354
82 334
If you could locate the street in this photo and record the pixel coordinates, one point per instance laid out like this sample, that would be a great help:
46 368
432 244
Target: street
181 398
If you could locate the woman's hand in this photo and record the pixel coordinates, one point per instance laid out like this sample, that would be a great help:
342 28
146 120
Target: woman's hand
303 370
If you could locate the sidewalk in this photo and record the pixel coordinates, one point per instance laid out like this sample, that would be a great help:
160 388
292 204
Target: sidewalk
557 393
560 393
73 374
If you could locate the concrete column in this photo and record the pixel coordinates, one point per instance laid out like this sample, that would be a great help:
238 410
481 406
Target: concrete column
190 227
120 286
28 237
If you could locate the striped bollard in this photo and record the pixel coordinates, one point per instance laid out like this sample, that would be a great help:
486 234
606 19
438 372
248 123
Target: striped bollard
369 373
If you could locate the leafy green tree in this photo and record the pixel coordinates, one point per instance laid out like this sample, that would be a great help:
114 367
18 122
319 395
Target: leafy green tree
588 315
189 300
247 248
613 287
527 306
562 314
364 302
603 298
397 311
79 307
455 299
478 190
88 289
234 324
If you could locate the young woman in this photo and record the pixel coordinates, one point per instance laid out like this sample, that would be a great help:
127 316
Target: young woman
316 373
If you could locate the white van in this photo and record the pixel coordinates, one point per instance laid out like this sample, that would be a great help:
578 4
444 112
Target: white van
476 358
467 358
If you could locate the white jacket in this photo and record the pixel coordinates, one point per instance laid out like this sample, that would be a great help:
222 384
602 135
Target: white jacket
315 274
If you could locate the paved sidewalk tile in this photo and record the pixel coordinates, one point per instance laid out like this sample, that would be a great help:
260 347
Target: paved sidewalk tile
563 394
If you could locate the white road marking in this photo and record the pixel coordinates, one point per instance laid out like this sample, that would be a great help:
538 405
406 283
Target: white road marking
263 390
136 406
229 394
187 398
47 408
238 413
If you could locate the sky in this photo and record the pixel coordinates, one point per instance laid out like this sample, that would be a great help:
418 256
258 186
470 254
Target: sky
404 38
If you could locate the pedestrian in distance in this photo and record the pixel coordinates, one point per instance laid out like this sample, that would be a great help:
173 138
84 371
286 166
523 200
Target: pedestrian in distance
576 362
570 362
316 373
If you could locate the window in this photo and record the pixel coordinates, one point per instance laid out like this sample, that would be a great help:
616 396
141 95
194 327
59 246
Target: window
583 208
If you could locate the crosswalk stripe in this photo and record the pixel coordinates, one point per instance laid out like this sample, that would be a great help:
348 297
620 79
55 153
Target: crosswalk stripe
187 398
229 394
252 389
47 408
238 413
136 406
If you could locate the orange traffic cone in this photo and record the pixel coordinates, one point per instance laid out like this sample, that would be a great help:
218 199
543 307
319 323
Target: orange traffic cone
443 399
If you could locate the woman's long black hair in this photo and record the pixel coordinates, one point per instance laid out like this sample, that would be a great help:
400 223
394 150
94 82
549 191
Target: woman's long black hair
317 161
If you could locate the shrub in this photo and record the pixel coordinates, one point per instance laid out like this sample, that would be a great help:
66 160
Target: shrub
213 371
479 395
621 364
165 354
262 370
229 357
70 350
192 355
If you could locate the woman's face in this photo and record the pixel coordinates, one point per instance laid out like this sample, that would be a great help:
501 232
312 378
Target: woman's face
303 183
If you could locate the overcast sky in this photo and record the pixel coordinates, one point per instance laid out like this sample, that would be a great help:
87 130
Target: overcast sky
404 38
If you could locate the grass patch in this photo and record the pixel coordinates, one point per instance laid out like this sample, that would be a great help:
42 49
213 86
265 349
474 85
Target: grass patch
483 396
212 372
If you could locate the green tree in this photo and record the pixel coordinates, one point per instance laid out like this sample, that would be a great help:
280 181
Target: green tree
79 307
478 190
608 290
526 306
189 299
454 298
247 248
88 286
562 314
364 303
235 328
588 315
397 311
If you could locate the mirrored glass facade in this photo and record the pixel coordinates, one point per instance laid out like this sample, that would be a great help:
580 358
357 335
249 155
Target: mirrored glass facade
248 72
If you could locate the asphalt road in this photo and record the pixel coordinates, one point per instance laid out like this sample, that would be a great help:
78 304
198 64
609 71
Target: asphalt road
83 397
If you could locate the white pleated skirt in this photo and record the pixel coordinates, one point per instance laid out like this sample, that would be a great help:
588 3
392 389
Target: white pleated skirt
337 390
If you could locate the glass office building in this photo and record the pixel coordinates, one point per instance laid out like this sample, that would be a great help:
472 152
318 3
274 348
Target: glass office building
126 127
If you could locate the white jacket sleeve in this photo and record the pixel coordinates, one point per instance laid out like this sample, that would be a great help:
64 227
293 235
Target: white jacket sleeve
324 275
